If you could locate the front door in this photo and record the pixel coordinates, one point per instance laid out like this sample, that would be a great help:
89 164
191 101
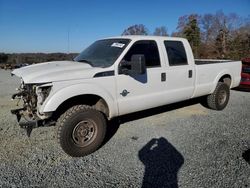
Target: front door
135 93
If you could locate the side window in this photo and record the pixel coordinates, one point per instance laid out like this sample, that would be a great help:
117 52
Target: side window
149 49
176 53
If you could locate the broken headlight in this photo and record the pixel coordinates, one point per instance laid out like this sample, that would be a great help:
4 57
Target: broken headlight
43 92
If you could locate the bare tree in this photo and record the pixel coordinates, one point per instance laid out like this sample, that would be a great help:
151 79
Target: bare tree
138 29
161 31
218 30
182 22
207 22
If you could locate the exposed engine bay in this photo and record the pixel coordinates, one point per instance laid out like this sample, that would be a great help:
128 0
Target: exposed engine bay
30 97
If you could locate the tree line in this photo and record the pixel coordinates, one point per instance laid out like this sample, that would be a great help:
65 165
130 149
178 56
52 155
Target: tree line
215 36
30 58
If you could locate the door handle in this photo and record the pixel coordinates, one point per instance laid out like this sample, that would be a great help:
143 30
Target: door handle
163 77
190 74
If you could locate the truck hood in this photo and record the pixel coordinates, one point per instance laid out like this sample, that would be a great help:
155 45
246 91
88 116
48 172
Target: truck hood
55 71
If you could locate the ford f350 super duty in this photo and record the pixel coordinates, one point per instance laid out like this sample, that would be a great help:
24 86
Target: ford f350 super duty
117 76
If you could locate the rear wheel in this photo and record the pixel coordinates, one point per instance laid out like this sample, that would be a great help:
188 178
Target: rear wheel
218 100
81 130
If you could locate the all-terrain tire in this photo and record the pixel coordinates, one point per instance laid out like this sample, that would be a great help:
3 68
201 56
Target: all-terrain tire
81 130
218 100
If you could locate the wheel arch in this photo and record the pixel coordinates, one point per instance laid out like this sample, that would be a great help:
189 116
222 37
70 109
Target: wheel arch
86 99
81 94
227 79
224 77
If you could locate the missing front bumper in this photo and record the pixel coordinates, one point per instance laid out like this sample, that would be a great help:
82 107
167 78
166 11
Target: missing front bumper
18 113
30 125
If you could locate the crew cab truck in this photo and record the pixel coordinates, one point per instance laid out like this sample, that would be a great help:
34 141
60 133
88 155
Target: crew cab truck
117 76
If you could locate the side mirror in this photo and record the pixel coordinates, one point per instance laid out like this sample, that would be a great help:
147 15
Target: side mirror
136 66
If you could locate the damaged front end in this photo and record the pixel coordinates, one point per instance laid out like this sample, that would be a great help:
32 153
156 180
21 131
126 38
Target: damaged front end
31 97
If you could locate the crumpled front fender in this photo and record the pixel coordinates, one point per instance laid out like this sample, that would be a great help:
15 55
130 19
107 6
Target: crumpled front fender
57 98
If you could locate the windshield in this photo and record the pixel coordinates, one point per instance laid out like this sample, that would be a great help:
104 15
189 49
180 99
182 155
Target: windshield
103 53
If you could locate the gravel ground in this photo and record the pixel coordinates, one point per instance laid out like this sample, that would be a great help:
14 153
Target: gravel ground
183 145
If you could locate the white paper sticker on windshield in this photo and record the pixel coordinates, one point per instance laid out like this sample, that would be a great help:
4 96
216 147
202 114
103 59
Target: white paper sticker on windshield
117 44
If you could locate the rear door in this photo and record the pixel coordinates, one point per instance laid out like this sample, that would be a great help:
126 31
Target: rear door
180 72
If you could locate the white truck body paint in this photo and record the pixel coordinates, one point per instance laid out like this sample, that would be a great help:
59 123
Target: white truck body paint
55 71
146 91
103 87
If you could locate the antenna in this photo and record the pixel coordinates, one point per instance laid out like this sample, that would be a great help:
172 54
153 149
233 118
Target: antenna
68 39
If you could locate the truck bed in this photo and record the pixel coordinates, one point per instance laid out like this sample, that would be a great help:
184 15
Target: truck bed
210 61
208 74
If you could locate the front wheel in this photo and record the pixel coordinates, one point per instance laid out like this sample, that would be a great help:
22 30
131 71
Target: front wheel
81 130
218 100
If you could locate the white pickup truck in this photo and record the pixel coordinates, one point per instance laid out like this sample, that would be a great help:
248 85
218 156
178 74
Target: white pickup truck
117 76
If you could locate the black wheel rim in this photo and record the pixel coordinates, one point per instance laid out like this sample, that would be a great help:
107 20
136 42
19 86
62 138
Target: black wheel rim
84 133
222 97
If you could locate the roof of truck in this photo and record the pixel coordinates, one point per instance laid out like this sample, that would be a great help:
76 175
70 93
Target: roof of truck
147 37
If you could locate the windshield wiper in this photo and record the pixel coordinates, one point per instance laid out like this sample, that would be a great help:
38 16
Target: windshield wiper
86 61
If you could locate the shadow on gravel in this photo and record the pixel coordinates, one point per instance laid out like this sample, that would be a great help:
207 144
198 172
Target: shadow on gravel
162 163
114 124
246 156
247 90
158 110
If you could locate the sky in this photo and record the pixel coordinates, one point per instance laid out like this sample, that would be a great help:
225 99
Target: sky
71 25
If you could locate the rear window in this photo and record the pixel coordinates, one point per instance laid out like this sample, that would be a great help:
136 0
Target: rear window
176 53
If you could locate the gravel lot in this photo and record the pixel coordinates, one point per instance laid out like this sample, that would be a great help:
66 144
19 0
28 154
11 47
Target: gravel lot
183 145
